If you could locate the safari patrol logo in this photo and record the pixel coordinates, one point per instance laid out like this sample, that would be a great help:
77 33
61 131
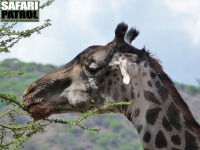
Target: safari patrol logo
19 11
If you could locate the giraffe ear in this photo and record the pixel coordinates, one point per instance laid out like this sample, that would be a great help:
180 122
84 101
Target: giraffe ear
124 72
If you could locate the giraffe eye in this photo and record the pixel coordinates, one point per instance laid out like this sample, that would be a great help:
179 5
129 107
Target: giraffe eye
92 68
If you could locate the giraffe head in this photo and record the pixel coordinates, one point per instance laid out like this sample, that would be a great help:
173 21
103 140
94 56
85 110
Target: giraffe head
96 76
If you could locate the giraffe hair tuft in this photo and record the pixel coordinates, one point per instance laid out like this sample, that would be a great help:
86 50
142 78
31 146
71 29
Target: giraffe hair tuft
131 35
120 31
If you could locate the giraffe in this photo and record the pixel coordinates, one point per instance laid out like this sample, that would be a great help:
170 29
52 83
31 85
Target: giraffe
119 72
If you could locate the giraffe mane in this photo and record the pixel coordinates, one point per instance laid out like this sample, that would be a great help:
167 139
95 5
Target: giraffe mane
190 121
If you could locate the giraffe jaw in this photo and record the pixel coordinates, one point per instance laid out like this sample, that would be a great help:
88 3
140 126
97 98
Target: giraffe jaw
40 110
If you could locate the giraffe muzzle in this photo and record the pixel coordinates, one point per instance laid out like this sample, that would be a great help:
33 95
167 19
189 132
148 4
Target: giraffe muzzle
40 110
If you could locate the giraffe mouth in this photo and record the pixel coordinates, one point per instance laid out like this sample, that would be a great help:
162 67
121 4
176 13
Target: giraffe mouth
40 110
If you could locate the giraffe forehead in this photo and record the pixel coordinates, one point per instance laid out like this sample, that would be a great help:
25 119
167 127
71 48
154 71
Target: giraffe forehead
124 58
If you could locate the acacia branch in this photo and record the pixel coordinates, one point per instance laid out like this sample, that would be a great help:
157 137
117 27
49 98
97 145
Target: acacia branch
15 36
11 73
103 108
12 110
86 115
20 127
11 99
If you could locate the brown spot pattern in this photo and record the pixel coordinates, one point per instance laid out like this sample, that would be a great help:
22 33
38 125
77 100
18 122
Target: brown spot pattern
149 96
149 83
162 91
173 115
166 124
160 140
152 115
123 88
190 141
176 139
147 137
137 112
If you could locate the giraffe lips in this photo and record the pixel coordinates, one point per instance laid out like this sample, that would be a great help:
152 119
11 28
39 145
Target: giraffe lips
40 111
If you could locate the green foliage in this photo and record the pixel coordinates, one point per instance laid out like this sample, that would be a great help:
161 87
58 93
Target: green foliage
103 141
17 84
13 134
11 37
188 88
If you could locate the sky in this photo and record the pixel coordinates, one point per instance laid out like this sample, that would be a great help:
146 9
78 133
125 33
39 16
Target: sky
169 29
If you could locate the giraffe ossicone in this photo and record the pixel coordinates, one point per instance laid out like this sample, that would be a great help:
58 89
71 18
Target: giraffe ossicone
119 72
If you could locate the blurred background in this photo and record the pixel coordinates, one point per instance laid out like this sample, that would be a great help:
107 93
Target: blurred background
169 29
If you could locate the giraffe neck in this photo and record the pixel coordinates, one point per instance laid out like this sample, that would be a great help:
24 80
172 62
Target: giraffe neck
158 119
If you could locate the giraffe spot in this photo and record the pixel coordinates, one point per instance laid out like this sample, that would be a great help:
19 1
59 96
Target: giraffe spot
118 78
145 64
149 84
110 82
108 89
107 73
100 79
115 74
149 96
126 100
150 64
162 91
144 74
176 149
153 75
160 140
158 84
136 83
166 124
115 94
115 70
147 137
139 128
138 95
123 88
190 141
81 105
129 116
174 116
146 149
132 95
190 123
176 139
137 112
152 115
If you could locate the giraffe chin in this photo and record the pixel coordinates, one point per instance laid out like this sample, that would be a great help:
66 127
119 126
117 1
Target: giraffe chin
40 111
